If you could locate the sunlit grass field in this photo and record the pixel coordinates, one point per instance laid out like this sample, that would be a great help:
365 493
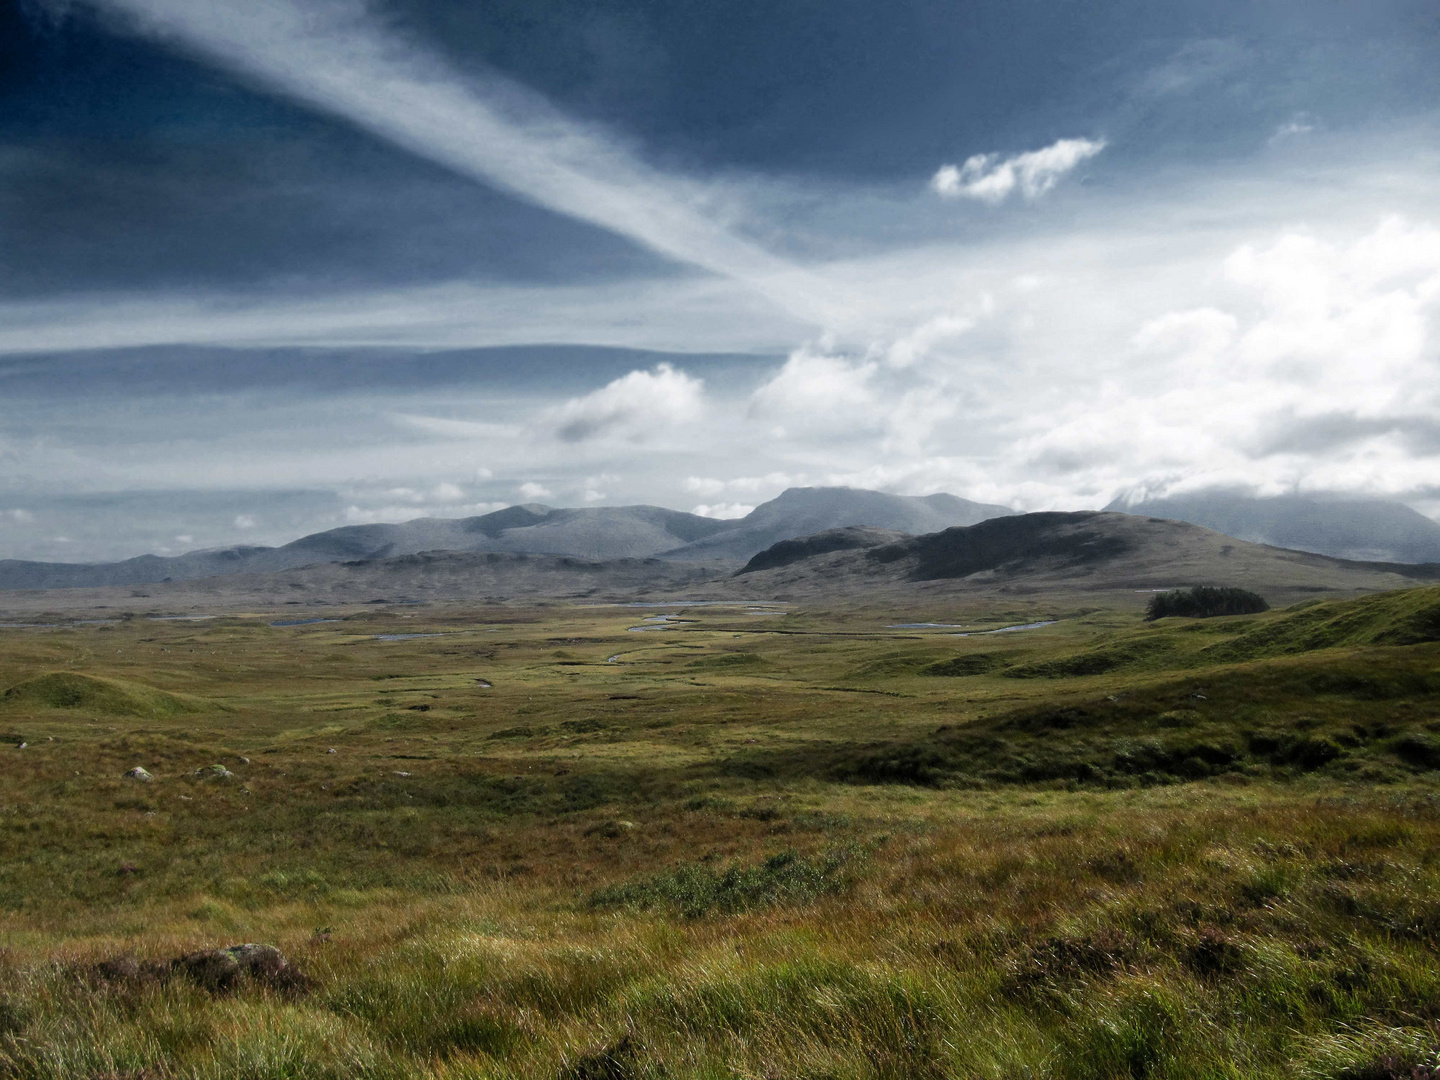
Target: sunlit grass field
764 841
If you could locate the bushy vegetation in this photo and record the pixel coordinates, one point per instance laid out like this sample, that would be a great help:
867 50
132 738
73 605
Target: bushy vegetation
1204 602
1214 850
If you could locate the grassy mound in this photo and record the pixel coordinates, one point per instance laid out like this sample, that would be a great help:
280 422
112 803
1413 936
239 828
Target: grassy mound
1205 602
1408 617
67 690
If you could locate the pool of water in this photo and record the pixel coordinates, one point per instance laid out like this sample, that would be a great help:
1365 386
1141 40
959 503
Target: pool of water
301 622
924 626
1009 629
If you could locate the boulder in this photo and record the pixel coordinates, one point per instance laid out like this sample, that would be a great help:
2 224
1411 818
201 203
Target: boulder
139 773
214 772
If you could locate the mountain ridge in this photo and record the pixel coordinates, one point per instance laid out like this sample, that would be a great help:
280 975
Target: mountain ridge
621 532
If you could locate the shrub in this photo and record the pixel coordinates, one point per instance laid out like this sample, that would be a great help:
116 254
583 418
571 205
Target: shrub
1203 602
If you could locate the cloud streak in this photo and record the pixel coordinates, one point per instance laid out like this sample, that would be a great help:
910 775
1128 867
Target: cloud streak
992 179
333 56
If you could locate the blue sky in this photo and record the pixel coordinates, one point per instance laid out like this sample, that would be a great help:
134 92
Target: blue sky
273 267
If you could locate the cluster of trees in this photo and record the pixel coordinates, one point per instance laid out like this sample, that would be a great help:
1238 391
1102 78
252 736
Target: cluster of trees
1203 601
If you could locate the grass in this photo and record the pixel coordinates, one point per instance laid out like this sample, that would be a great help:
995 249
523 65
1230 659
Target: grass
799 847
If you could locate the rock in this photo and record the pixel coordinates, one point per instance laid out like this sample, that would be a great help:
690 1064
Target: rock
21 746
224 969
331 750
215 772
140 773
244 760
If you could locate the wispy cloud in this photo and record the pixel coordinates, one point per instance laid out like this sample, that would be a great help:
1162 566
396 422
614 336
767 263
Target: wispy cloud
993 179
334 56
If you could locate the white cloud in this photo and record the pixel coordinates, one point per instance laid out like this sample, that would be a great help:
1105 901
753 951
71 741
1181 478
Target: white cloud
446 492
592 496
22 517
918 344
531 491
992 179
408 511
773 483
245 521
184 538
722 511
816 391
632 406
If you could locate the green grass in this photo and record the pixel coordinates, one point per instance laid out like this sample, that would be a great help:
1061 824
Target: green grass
800 847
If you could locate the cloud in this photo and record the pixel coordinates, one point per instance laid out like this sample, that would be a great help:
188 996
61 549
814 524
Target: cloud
817 391
531 491
1292 129
773 483
632 406
332 55
446 492
19 516
245 521
679 315
722 511
991 179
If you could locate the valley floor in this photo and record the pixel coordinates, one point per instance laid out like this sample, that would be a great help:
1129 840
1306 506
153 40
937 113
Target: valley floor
750 840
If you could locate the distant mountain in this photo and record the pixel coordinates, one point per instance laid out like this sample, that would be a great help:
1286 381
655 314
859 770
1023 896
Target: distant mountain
806 511
1373 530
612 532
606 532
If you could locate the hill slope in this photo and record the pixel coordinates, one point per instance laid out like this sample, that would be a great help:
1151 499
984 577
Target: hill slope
1377 530
1088 551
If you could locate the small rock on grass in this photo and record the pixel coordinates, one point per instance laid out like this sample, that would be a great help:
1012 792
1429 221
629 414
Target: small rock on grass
139 772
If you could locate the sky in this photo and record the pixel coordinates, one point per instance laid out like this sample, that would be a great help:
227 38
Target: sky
273 267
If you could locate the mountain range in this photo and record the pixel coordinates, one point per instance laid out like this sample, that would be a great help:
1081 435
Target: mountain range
1076 560
618 532
803 521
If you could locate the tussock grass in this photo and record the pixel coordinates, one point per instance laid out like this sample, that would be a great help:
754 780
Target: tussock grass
689 866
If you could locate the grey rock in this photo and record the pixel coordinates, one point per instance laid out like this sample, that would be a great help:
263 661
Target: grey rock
140 773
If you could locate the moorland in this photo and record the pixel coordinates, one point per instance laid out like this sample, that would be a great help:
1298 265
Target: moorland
571 839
